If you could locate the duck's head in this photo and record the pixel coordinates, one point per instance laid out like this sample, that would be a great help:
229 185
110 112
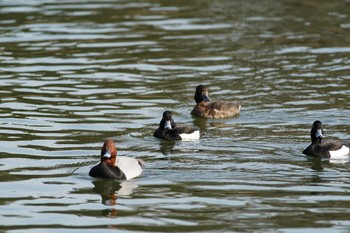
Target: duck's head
167 121
201 94
317 132
109 151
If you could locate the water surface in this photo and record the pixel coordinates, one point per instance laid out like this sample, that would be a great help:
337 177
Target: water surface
74 73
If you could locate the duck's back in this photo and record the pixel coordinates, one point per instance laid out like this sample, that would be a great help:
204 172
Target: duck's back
216 109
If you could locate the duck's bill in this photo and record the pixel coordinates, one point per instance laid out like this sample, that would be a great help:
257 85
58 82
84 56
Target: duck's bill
319 133
167 125
205 97
107 154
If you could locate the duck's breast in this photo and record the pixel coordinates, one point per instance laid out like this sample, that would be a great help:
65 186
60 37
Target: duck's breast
308 151
198 110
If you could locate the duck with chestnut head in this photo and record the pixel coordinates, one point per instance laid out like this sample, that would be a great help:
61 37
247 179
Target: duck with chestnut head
111 166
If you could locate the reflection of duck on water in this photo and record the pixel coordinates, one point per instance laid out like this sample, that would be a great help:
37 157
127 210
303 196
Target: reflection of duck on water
107 189
121 168
316 164
201 123
166 146
110 190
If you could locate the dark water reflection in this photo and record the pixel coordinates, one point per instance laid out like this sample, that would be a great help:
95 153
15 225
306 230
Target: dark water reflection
76 72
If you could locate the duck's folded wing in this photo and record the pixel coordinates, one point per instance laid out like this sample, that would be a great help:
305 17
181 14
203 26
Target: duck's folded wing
131 167
224 105
332 145
346 143
185 129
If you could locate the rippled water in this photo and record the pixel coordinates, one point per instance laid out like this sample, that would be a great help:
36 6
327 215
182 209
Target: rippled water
74 73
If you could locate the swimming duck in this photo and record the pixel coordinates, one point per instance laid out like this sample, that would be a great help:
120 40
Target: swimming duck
111 166
213 109
170 131
334 149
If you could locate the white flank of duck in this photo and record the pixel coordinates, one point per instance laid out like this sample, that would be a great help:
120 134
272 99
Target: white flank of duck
188 137
129 166
341 154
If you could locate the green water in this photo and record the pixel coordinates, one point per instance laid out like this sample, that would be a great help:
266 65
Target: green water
74 73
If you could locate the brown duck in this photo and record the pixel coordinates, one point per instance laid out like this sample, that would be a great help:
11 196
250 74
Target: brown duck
213 109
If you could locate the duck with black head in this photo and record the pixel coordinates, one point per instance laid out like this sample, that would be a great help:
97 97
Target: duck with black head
111 166
207 108
331 149
169 130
